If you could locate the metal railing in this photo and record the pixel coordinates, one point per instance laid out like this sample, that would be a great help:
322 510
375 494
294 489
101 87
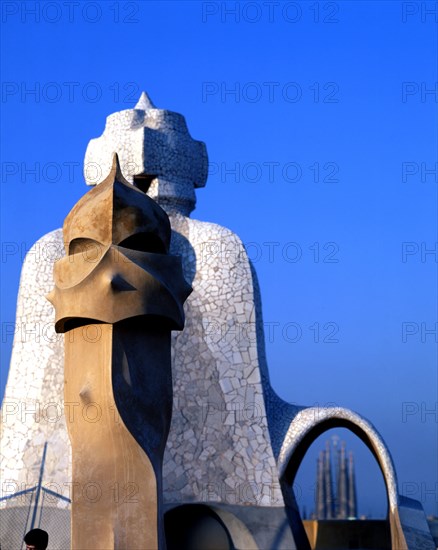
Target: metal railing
35 507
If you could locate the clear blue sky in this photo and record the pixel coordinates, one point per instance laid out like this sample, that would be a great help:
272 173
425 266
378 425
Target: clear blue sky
326 113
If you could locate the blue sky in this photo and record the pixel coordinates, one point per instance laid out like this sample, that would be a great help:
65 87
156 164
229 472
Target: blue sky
320 123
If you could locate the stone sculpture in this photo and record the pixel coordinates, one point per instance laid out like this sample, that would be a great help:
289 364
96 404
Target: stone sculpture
118 273
234 446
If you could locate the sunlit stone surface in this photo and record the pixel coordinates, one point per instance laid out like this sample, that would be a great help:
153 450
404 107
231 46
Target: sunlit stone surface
233 443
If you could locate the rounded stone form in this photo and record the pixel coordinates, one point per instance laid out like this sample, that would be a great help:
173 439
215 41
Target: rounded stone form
219 446
310 422
33 405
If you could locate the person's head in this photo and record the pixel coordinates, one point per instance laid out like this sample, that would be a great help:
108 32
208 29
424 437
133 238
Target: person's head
36 539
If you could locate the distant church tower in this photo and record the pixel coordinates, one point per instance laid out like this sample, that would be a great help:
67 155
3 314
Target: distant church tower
343 505
352 499
342 485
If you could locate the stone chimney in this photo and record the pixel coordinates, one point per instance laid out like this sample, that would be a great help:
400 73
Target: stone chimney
155 150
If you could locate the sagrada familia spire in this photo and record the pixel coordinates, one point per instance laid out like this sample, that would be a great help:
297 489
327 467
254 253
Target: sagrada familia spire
343 505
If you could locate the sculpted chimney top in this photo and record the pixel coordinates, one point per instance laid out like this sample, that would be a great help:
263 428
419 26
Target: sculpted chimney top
156 151
144 103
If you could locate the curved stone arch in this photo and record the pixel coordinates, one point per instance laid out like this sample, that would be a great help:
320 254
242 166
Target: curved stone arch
237 531
309 424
